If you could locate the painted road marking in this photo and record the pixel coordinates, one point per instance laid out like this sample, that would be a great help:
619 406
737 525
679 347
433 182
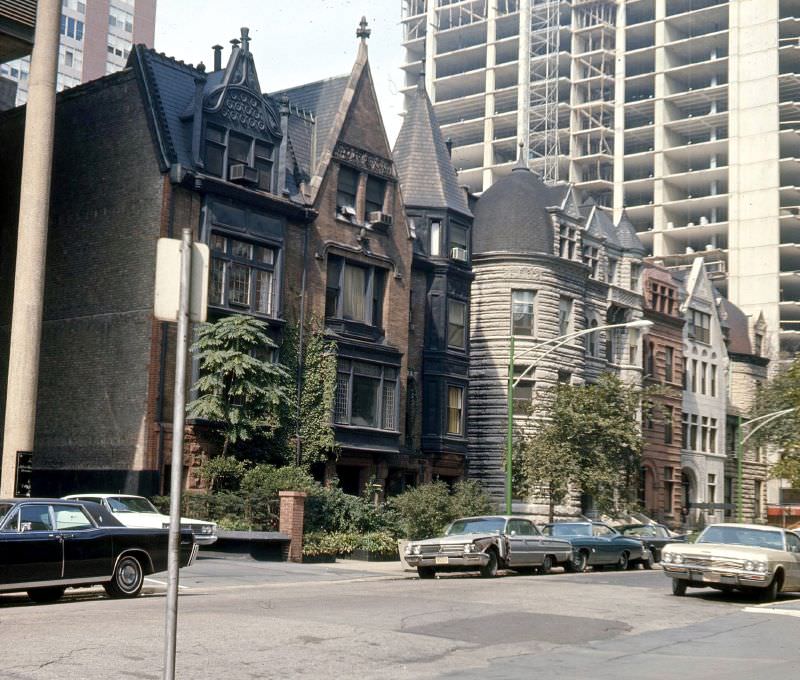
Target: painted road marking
164 583
771 610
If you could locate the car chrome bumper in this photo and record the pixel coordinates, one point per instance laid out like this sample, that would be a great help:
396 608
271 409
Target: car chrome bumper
473 560
711 576
205 539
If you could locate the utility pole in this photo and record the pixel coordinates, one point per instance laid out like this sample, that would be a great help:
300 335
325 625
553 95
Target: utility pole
29 275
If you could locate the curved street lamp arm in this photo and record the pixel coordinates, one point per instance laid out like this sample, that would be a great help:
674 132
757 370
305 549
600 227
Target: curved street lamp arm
560 342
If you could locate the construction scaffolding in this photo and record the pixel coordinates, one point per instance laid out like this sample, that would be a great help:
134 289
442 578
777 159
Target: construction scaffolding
543 138
592 97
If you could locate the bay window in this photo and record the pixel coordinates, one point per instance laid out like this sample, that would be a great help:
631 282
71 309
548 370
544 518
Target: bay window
242 275
366 395
354 291
456 323
455 410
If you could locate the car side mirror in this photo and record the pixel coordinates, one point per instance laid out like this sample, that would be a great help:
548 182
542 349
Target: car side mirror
26 526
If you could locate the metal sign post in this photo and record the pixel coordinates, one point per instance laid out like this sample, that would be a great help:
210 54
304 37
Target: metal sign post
176 477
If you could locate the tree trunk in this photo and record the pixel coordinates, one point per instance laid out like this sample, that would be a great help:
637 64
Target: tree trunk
551 505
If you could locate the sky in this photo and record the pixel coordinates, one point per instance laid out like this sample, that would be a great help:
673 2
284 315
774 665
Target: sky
293 42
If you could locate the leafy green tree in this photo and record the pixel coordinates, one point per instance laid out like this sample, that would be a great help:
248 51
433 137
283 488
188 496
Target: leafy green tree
590 439
780 393
241 390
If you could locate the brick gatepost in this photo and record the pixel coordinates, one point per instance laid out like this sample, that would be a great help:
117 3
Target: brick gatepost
291 522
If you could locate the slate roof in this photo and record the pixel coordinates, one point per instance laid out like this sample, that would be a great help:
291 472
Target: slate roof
170 85
627 236
598 223
427 176
511 216
322 99
735 320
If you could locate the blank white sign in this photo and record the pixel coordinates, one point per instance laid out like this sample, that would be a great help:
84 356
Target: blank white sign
168 280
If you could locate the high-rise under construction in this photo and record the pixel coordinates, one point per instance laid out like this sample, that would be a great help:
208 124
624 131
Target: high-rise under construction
684 113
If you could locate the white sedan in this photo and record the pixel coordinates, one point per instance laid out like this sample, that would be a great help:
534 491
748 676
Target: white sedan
137 511
753 557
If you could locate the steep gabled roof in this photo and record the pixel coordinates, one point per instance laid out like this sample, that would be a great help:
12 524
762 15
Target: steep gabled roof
427 176
169 86
321 100
627 236
599 224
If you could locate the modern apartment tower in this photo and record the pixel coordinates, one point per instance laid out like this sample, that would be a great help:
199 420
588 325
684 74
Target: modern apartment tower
96 39
684 112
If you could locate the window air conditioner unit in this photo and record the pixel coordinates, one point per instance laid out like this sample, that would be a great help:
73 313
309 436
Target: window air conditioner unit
347 210
378 217
459 254
242 174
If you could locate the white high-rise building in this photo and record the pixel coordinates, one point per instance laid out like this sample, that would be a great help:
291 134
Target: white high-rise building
96 38
684 112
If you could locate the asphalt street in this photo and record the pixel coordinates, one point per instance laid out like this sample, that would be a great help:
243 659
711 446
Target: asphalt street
239 618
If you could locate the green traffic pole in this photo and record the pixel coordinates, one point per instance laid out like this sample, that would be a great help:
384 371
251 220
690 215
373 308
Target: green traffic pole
510 425
739 457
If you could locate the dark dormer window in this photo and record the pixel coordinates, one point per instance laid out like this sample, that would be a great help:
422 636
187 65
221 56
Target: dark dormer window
238 151
346 192
263 163
239 158
458 247
567 238
591 258
758 341
376 189
215 150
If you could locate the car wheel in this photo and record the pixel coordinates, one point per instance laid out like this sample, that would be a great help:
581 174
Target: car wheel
769 593
547 565
578 563
489 570
678 587
426 572
648 560
128 578
42 595
622 562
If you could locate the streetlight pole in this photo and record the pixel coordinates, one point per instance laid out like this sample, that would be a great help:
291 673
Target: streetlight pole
557 342
767 418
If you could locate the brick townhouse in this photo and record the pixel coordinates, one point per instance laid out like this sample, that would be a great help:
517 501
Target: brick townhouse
297 195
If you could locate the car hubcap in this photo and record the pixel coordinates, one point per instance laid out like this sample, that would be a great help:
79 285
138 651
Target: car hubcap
128 575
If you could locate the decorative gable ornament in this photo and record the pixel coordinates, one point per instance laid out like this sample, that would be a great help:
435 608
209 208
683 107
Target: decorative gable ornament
238 100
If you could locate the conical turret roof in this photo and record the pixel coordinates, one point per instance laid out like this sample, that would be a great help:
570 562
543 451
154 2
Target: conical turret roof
427 176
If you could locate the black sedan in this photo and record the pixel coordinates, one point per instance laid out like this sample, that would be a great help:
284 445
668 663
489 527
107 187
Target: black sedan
654 536
597 544
47 545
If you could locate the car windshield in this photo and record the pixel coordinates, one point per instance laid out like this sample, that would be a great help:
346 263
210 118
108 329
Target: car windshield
757 538
567 529
135 504
640 531
4 510
482 525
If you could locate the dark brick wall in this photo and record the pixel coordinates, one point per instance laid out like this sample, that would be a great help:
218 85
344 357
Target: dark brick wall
106 214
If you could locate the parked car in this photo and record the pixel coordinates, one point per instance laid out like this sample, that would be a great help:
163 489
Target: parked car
654 536
596 544
47 545
486 544
137 511
753 557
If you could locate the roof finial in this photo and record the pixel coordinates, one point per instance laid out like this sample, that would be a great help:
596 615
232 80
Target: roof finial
235 42
421 78
363 32
245 38
522 160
